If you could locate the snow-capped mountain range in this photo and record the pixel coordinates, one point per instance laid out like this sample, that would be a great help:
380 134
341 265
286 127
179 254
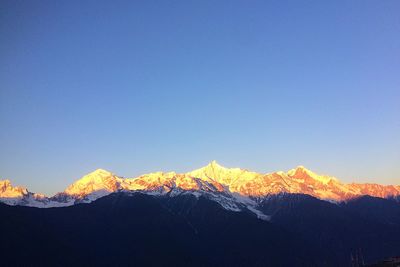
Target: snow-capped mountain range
234 188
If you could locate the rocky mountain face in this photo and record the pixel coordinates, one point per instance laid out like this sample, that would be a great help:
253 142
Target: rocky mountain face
231 187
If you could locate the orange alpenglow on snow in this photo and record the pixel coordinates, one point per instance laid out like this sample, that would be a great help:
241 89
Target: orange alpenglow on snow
216 179
8 191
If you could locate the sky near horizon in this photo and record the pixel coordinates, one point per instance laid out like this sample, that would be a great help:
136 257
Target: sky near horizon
142 86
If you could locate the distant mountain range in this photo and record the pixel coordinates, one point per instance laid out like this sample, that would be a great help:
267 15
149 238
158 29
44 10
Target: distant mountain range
213 216
233 188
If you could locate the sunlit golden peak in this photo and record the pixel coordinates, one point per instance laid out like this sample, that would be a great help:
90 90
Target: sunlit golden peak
7 190
100 172
212 177
98 180
5 182
96 176
215 164
300 172
301 167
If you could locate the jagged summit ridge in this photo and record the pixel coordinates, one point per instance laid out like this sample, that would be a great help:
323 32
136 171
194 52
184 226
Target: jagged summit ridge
213 180
302 172
17 195
9 191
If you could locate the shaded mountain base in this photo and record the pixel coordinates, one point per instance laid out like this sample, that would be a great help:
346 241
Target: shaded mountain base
367 228
138 230
143 230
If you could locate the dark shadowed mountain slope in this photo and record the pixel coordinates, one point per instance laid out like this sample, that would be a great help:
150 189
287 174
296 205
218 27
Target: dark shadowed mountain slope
142 230
135 229
370 225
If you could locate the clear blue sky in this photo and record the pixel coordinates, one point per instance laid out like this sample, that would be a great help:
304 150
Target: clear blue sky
141 86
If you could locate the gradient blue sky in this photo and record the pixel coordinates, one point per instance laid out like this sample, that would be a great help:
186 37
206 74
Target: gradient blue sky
141 86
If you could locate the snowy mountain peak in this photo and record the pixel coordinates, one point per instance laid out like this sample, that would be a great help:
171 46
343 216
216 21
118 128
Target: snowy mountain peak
214 165
215 172
98 180
4 182
4 185
300 169
300 172
9 191
99 172
20 195
223 184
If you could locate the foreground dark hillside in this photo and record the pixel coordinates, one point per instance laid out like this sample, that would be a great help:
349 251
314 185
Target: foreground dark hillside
143 230
368 227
